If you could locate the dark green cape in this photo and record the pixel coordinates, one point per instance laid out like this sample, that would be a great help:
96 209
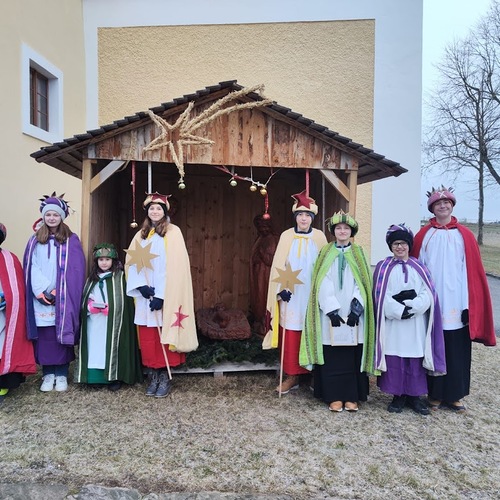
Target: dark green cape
123 360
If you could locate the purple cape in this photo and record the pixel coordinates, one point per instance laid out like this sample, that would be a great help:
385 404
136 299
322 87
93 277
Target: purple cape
69 288
380 280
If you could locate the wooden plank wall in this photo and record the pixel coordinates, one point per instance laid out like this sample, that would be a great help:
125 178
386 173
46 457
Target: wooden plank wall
215 219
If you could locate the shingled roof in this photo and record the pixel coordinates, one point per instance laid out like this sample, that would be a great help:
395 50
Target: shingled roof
68 154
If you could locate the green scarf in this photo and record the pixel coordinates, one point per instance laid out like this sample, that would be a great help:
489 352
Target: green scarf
311 346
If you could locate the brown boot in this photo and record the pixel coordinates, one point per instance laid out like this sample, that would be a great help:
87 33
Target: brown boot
291 383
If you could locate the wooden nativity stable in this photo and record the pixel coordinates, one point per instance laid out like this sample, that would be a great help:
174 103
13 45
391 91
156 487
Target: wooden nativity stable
254 141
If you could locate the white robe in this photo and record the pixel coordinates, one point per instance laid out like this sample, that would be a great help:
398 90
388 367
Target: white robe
406 338
332 298
97 330
44 278
156 278
443 253
302 255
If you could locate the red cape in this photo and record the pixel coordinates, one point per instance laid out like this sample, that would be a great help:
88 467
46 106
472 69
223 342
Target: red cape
17 355
481 324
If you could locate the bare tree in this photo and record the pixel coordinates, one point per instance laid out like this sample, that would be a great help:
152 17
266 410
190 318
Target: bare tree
464 132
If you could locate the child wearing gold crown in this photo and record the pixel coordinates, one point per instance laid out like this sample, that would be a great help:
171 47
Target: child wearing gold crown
54 268
109 353
159 279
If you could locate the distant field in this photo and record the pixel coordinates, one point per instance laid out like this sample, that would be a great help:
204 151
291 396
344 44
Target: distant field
490 250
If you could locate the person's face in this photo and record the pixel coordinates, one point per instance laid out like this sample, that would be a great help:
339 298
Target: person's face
155 212
304 221
442 208
104 263
342 233
400 249
52 219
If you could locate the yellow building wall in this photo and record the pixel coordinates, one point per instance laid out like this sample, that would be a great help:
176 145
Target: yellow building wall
54 30
323 70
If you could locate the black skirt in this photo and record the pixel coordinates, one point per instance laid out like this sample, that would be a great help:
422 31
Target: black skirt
456 383
339 378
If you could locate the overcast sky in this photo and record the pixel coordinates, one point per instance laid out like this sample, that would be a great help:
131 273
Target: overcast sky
445 21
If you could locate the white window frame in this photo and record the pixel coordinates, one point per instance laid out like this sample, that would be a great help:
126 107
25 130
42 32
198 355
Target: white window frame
31 59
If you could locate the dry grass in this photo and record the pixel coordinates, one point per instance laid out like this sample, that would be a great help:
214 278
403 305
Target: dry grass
233 434
490 250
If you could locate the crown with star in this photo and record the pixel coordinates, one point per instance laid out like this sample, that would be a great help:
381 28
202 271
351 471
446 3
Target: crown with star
156 197
440 193
304 203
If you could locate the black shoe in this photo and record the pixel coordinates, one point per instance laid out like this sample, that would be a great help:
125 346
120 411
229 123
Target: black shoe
154 380
114 386
397 404
417 405
164 386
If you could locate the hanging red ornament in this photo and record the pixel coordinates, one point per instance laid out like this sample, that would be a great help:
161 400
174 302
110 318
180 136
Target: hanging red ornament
266 215
133 224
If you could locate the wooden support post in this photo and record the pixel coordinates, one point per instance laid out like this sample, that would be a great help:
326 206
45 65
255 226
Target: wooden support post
86 208
352 182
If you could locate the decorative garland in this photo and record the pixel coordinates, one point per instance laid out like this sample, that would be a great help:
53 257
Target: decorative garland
212 352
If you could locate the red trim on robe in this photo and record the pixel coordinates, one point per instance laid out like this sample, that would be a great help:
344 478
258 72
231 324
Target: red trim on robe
481 324
17 355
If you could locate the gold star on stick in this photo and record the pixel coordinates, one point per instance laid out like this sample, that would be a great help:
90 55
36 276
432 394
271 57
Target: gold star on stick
288 278
140 256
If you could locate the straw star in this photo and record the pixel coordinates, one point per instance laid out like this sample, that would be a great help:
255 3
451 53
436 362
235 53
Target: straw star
182 132
180 318
140 256
288 278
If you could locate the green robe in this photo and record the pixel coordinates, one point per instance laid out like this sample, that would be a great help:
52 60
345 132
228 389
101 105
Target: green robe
123 360
311 346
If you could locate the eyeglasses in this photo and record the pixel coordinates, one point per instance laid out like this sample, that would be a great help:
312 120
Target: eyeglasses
397 244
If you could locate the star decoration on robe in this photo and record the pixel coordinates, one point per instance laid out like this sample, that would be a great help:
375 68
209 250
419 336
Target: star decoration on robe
140 256
182 133
180 318
302 199
288 278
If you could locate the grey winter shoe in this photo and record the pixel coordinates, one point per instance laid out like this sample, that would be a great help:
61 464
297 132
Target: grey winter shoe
164 386
154 380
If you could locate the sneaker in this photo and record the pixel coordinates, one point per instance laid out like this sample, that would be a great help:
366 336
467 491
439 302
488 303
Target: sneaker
290 384
48 382
164 386
397 404
417 405
3 393
61 383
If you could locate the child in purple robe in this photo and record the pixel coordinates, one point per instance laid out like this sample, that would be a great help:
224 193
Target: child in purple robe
54 270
